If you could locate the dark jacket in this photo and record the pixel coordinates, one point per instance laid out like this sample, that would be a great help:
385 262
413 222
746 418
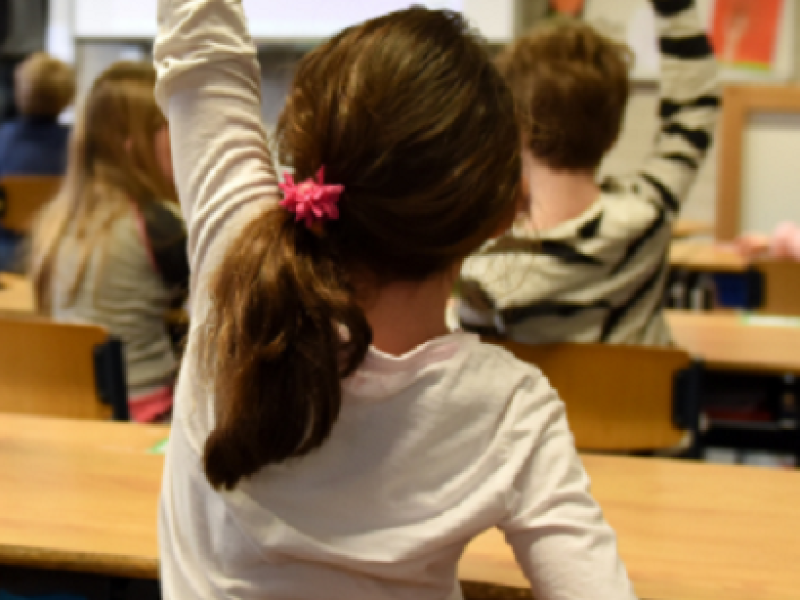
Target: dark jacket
33 146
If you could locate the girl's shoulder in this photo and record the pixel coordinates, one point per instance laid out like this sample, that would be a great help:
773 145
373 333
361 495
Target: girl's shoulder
496 374
506 367
470 372
513 398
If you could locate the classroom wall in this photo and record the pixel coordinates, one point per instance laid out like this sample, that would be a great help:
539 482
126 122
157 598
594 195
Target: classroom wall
636 141
779 133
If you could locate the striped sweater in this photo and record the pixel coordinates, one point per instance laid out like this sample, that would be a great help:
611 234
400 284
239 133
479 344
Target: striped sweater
600 277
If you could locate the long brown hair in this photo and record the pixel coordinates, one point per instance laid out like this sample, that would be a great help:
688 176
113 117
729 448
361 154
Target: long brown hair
112 162
407 112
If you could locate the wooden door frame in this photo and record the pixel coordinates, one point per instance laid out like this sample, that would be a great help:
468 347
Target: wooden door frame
739 102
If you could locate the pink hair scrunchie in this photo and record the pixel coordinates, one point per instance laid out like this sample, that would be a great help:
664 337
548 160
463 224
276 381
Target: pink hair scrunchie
312 201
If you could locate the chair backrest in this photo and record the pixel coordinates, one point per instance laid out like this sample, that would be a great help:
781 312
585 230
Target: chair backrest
618 398
16 294
781 281
21 197
48 369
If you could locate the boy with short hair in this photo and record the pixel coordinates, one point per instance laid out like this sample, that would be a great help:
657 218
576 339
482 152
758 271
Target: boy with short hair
587 261
35 143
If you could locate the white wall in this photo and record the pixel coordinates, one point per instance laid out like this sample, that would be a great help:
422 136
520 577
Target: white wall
771 173
771 188
635 143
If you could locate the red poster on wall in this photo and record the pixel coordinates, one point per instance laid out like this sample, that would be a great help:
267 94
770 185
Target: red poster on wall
745 32
572 8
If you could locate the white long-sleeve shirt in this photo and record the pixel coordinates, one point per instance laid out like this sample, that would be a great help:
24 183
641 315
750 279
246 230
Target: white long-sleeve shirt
431 448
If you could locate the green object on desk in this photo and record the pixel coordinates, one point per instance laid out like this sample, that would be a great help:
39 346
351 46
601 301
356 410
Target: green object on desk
160 447
770 320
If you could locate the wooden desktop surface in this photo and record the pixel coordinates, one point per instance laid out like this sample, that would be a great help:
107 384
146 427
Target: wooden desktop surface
686 228
707 256
686 531
79 495
726 340
16 294
83 495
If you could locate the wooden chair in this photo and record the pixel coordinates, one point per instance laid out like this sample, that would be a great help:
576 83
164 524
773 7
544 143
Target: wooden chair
781 287
60 370
22 197
16 295
620 398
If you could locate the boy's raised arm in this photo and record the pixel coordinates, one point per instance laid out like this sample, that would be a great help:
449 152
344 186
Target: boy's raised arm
689 105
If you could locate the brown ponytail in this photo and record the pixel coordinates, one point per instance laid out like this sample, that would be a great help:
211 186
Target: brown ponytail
409 114
277 348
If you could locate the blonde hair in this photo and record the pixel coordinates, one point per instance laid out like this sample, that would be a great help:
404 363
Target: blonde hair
43 86
112 163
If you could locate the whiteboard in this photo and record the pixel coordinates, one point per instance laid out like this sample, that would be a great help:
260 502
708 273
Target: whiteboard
286 20
633 22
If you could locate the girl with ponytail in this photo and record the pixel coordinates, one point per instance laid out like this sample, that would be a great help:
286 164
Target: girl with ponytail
331 439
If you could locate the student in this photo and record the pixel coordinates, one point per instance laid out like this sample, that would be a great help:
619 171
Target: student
111 249
330 439
587 262
35 143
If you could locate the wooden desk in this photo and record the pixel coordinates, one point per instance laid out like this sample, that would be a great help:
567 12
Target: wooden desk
725 341
781 278
16 294
686 228
82 496
707 256
79 495
687 531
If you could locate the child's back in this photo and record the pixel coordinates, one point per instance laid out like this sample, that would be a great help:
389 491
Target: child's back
35 143
589 262
430 449
330 438
121 289
111 247
33 146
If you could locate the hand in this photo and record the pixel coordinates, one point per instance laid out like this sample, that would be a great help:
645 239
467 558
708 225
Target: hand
753 245
786 241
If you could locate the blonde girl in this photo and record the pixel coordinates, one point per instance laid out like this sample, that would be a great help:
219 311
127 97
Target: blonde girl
110 249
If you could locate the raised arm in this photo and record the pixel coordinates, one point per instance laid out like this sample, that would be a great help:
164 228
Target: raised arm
689 105
209 89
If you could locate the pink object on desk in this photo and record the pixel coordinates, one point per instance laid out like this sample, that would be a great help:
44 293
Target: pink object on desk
786 241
